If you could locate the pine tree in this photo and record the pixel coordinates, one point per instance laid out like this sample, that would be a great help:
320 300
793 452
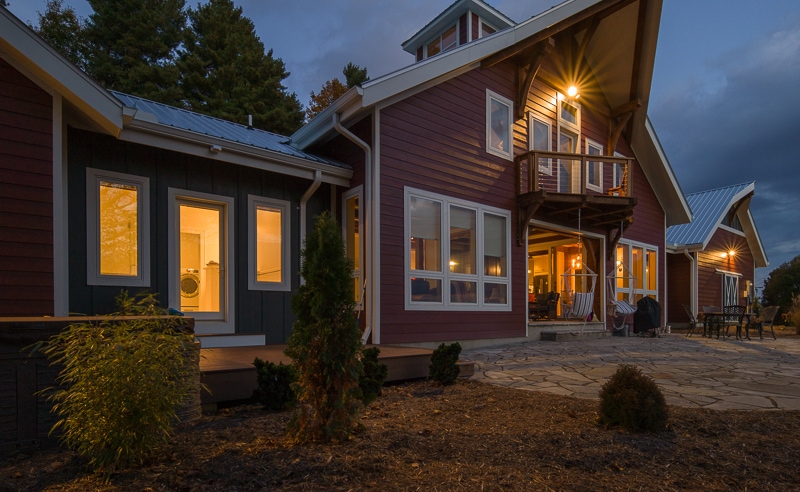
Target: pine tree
64 30
325 342
132 46
225 72
354 75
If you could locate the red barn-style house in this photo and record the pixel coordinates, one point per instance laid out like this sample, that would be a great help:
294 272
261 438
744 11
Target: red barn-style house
501 169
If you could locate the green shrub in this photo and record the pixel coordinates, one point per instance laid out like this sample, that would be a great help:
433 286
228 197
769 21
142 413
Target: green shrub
121 382
325 342
633 401
444 368
373 376
275 382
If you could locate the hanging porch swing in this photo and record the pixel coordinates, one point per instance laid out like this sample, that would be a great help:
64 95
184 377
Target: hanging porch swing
578 304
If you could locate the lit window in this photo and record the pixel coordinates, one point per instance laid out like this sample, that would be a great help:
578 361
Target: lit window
642 263
445 41
498 125
269 250
352 232
446 269
117 229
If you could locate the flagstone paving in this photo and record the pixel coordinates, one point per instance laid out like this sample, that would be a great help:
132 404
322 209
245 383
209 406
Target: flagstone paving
691 372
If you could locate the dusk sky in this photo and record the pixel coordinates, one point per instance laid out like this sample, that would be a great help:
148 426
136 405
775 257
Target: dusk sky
724 99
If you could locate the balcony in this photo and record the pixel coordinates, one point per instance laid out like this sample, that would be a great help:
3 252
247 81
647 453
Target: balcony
565 187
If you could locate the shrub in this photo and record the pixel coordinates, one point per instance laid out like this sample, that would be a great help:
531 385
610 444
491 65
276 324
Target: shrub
633 401
121 382
275 382
444 368
325 342
373 376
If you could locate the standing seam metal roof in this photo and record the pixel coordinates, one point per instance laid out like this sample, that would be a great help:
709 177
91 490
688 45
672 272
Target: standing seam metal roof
215 127
708 207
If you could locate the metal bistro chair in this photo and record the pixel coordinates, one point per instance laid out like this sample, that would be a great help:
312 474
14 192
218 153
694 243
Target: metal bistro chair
733 317
693 322
710 323
767 317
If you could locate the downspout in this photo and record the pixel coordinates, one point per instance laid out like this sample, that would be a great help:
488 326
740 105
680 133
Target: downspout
303 204
368 221
693 281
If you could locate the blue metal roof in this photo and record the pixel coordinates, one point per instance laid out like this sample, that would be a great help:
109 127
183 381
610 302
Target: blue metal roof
708 208
215 127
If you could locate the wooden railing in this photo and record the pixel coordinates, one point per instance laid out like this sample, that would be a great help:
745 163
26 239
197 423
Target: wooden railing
543 170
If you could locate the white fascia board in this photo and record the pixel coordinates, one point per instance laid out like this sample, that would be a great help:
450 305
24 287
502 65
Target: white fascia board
169 138
754 239
25 49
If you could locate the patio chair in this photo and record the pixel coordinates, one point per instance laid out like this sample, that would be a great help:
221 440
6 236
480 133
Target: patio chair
693 322
767 317
710 323
733 317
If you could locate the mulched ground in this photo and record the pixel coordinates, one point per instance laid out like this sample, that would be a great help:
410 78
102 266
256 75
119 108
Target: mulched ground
469 436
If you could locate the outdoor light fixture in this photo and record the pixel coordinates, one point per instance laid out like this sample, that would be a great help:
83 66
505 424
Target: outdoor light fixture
572 92
215 149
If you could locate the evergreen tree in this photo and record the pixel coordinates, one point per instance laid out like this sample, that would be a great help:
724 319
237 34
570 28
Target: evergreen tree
354 75
782 284
225 72
64 30
325 342
132 46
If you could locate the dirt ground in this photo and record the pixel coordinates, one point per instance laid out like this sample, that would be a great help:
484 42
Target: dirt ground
469 436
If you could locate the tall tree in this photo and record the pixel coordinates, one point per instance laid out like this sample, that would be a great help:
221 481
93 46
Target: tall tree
782 284
64 30
225 72
132 46
334 89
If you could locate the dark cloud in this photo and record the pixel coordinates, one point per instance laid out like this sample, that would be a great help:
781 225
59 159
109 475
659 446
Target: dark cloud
743 129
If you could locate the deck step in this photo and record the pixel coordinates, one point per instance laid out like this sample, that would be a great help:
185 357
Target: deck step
571 335
232 340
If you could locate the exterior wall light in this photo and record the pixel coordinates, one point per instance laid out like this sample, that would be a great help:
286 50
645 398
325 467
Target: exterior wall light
572 92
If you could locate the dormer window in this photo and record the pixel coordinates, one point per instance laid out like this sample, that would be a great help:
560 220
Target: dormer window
486 29
445 41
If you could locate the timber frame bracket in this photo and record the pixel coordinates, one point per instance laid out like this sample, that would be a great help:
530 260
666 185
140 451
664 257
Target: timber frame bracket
525 216
618 119
526 73
612 242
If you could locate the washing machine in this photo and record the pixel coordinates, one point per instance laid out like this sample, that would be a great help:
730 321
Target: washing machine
190 290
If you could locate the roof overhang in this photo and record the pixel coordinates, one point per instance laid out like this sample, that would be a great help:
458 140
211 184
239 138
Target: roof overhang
143 128
34 57
751 233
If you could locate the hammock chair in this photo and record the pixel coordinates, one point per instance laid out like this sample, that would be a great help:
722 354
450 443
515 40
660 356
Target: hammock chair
620 309
580 304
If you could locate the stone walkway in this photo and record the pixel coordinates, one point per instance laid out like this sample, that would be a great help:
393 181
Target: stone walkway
691 372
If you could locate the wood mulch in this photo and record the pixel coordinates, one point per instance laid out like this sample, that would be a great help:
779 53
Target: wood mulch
469 436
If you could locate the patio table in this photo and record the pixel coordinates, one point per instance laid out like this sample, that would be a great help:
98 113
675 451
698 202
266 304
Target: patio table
717 320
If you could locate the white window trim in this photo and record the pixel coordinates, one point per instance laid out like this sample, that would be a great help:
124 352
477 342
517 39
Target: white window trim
616 180
493 95
254 202
645 248
481 23
445 276
93 275
590 186
358 273
547 167
203 325
571 129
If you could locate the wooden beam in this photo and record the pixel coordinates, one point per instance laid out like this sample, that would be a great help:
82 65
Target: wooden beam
612 243
525 216
629 106
533 63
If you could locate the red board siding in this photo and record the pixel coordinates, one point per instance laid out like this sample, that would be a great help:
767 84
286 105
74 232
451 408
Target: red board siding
435 141
26 196
679 275
474 23
462 30
710 262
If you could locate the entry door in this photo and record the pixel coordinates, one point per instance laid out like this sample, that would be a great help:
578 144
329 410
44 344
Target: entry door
730 288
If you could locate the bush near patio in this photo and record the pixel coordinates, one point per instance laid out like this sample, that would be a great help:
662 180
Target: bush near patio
121 383
633 401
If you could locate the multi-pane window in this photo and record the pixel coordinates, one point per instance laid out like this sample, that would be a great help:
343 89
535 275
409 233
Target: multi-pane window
498 125
117 227
268 244
486 29
641 262
457 254
540 139
445 41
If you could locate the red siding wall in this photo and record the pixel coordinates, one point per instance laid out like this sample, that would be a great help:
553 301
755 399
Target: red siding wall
709 291
435 141
26 196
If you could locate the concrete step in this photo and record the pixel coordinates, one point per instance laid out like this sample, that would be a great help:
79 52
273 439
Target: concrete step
571 335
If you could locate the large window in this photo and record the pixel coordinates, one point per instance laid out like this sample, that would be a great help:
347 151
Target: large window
540 139
569 136
445 41
457 255
594 169
499 122
642 263
117 229
268 244
352 225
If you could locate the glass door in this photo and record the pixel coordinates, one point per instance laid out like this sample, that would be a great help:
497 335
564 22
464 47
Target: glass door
201 252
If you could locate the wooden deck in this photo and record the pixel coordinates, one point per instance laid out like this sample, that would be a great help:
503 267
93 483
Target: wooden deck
230 375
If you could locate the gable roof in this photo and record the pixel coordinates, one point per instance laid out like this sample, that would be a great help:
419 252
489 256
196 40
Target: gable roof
710 208
451 15
617 31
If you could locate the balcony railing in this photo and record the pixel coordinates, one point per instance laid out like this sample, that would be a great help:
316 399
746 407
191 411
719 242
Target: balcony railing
562 172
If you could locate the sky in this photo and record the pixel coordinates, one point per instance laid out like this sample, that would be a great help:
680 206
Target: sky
724 99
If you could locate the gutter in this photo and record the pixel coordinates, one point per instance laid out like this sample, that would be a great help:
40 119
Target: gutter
693 283
303 205
368 301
